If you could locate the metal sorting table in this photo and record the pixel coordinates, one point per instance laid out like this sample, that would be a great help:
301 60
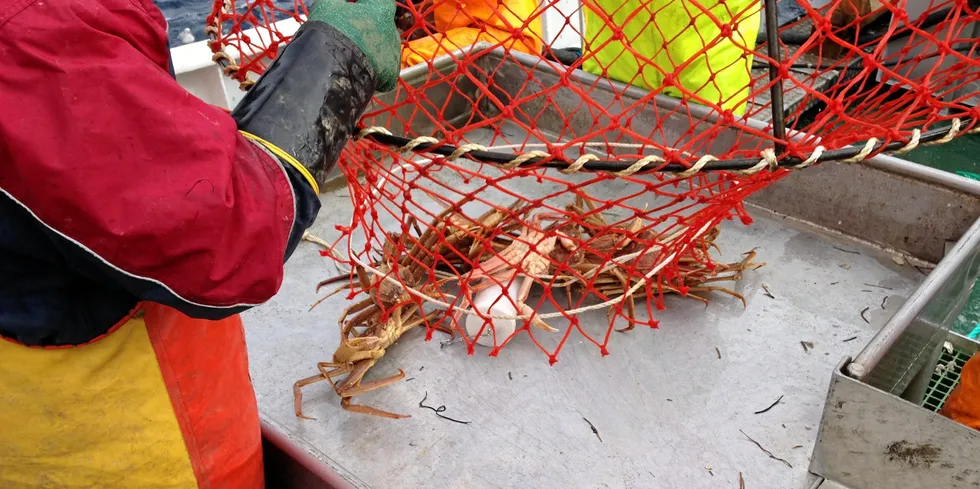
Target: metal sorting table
675 406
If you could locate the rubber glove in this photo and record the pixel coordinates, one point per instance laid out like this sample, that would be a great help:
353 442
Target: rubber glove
369 24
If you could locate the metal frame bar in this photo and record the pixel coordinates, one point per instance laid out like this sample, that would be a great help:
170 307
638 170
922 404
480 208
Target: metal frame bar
776 106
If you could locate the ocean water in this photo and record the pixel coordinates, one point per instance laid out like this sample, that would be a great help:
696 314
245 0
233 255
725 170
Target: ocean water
185 14
191 14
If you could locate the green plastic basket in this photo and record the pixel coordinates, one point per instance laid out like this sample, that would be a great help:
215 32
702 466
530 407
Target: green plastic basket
945 376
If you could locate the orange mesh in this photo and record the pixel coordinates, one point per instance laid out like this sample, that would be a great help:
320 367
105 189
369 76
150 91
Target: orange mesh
586 186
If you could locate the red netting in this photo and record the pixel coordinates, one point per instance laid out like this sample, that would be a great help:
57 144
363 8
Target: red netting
549 163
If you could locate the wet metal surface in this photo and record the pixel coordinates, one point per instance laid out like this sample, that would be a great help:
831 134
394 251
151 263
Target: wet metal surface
668 410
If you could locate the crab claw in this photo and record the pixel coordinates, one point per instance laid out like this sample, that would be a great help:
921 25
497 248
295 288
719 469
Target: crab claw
567 242
535 321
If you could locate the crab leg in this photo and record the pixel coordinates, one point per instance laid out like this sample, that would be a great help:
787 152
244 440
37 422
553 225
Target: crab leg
323 375
630 305
352 386
298 393
362 409
720 289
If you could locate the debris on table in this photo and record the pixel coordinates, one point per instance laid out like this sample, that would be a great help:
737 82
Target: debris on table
439 410
766 451
767 293
770 406
878 286
594 430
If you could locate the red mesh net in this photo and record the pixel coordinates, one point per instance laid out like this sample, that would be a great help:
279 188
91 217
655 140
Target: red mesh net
555 169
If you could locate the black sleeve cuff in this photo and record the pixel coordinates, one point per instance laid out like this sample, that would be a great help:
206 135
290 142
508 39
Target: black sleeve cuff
309 101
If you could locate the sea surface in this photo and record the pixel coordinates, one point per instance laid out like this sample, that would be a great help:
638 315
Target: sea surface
191 15
185 14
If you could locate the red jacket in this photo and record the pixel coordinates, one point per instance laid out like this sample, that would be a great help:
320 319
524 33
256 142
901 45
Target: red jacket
135 221
117 185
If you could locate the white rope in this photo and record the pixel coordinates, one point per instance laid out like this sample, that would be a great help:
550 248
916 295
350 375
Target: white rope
954 129
579 163
814 157
639 165
768 155
704 160
868 148
520 160
419 141
768 161
466 148
373 130
913 142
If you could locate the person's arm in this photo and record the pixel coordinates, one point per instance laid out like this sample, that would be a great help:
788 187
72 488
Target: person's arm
139 181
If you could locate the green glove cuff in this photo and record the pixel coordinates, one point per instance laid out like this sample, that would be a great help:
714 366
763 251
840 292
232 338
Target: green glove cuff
370 25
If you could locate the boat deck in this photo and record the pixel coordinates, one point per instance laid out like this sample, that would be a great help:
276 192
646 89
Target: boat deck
674 407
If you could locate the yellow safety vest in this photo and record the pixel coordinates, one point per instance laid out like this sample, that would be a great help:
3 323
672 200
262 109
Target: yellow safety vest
663 40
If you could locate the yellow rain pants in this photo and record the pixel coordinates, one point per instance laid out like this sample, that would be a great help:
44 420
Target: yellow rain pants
676 45
161 401
461 23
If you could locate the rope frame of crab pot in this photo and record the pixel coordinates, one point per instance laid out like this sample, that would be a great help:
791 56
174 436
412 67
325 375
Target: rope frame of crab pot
590 162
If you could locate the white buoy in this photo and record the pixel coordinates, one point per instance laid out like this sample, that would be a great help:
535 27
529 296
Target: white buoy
491 301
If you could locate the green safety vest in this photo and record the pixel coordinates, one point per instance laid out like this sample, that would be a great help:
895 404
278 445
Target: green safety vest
672 34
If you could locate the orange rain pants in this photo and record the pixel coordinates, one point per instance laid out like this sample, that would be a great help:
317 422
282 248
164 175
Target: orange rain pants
462 23
963 405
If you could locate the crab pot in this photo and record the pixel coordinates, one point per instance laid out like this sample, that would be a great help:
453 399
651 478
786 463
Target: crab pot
664 222
669 401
